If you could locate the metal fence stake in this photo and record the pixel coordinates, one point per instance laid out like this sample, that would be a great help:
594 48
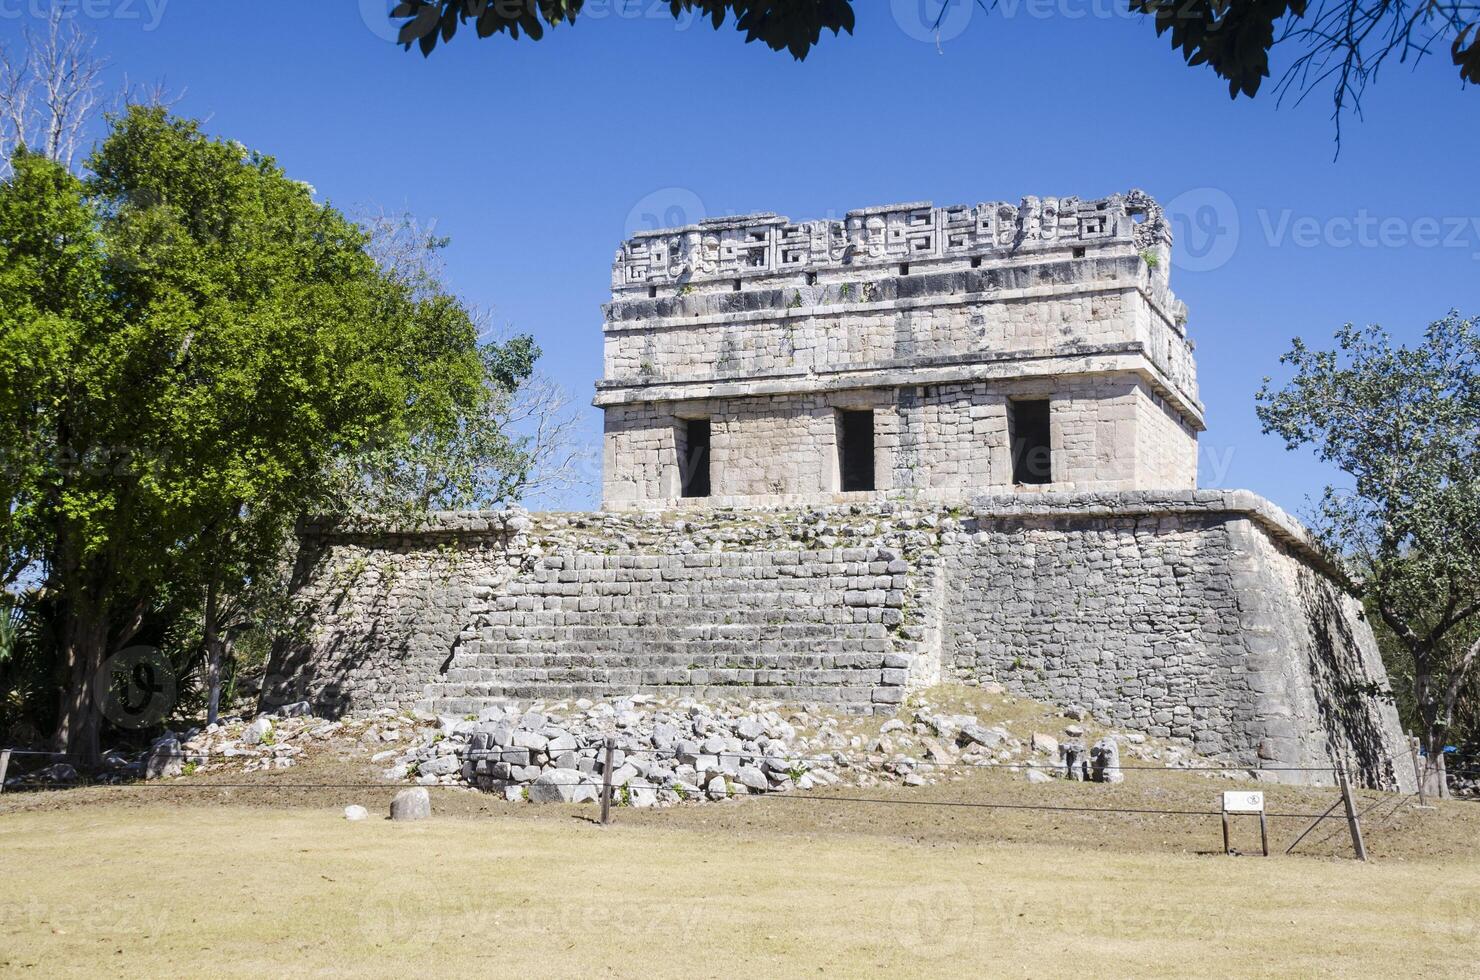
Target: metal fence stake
606 783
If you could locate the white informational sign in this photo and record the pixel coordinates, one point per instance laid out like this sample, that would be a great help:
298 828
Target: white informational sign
1243 802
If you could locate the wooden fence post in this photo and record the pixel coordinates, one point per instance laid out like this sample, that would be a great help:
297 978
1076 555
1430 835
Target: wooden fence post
1352 822
4 767
1418 769
606 783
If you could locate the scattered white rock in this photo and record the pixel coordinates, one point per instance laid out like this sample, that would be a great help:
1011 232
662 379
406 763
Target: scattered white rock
1046 744
562 786
166 759
355 812
257 731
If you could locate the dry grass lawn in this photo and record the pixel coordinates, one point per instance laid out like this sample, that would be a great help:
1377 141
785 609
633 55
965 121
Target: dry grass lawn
154 890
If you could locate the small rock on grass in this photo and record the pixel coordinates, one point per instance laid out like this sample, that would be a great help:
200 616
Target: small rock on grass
355 813
1038 776
412 804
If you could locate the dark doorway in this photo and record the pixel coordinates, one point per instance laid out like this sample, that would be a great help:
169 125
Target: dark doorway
694 460
1028 435
856 450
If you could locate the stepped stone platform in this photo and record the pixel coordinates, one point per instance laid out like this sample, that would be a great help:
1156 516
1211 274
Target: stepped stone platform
1206 616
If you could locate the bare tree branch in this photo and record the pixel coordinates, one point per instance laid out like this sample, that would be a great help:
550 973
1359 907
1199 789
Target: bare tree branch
49 92
543 414
1346 42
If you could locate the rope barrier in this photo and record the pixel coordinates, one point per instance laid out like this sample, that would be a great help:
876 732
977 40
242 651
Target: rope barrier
839 757
597 784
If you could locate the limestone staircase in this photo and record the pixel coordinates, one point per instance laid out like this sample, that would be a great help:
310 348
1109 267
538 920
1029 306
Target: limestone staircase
795 626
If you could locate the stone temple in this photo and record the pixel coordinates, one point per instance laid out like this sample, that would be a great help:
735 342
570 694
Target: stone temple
848 459
906 352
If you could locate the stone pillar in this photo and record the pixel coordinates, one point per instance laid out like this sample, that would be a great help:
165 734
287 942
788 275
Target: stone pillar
1105 761
1076 764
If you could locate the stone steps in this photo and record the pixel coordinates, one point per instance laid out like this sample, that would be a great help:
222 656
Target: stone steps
855 699
478 666
803 592
789 625
589 627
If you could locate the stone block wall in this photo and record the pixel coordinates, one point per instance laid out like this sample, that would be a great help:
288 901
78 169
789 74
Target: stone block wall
1203 616
879 317
932 317
931 442
1210 621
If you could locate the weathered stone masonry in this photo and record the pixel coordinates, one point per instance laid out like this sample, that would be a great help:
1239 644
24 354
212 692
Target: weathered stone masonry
816 490
1199 615
934 319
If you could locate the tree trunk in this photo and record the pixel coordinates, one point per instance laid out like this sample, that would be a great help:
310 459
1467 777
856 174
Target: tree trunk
84 644
214 654
1428 696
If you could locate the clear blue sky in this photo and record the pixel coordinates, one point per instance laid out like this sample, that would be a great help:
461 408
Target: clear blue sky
537 159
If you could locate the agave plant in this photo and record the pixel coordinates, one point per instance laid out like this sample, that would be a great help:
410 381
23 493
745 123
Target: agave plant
10 628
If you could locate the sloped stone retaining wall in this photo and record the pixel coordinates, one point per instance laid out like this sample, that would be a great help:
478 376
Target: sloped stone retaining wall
1200 615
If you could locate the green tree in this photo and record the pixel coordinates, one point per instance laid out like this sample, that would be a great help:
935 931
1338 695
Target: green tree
520 437
1340 43
188 341
1403 423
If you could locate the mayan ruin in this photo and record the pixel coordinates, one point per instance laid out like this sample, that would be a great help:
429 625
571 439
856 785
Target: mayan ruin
846 460
778 488
906 352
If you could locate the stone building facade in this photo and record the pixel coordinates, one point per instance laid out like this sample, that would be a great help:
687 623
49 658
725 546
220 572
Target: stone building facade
908 351
938 444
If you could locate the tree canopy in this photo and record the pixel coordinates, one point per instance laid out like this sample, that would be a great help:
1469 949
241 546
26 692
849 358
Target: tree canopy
188 343
1340 43
1403 424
